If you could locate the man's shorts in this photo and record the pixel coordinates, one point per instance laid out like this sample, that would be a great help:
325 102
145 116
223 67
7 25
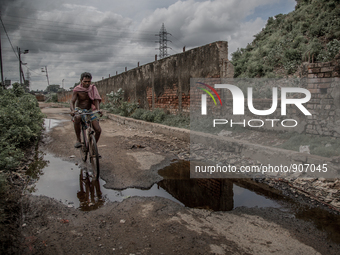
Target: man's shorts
92 115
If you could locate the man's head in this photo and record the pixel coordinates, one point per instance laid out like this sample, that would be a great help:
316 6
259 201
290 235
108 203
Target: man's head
85 79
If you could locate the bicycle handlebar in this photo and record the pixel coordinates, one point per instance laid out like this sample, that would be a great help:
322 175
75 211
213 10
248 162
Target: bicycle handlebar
86 113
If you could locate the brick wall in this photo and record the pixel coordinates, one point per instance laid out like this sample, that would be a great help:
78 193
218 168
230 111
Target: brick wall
166 83
324 85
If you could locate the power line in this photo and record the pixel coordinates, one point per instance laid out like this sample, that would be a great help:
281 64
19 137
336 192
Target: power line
34 72
74 24
68 42
8 38
73 33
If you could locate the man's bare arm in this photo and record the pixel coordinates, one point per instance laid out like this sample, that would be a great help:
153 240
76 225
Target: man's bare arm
97 105
73 102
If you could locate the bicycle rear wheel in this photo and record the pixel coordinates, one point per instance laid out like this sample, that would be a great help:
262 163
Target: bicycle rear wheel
94 157
83 149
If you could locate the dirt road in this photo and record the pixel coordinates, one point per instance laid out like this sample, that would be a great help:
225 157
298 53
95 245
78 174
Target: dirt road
140 225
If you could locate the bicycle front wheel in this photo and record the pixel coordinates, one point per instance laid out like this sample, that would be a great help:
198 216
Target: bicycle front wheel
84 145
94 157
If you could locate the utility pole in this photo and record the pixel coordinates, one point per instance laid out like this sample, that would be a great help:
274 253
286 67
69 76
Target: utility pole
18 49
21 74
2 71
42 70
163 40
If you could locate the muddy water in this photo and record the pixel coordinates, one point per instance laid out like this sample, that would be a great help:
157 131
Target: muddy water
71 185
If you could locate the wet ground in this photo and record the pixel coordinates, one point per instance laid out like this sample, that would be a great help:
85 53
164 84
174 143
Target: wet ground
72 185
168 214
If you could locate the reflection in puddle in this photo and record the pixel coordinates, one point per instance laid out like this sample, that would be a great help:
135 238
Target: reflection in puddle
227 194
89 195
51 123
213 194
35 169
69 184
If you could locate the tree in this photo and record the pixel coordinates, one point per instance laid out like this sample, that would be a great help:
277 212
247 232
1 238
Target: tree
52 88
18 89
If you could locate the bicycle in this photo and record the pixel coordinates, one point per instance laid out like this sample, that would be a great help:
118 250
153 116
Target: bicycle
89 144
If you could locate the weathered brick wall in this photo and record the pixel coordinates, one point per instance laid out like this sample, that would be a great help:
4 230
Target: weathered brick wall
64 96
324 85
166 83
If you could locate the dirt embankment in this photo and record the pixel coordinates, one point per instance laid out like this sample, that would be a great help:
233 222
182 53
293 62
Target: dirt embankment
152 225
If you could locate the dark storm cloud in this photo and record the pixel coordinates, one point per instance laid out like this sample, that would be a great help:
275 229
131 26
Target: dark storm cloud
108 35
60 36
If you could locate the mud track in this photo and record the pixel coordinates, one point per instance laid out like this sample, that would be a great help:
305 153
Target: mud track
131 158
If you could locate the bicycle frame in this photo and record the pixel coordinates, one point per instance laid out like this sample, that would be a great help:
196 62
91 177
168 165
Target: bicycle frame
89 145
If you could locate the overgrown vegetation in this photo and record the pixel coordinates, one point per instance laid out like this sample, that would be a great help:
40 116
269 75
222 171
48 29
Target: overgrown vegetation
310 33
117 105
21 122
160 116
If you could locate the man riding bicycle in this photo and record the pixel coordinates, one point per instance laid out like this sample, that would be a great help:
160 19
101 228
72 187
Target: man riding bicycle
87 97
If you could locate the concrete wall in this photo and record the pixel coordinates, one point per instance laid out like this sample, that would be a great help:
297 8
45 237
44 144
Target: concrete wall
166 83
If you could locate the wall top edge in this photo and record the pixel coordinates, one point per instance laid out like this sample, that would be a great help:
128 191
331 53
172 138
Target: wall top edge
164 59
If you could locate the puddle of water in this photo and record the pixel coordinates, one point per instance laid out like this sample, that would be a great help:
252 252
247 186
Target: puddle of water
71 185
214 194
51 123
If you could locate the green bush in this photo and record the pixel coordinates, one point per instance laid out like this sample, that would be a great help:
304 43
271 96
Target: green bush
126 108
54 98
117 105
179 120
148 116
311 32
138 113
160 116
21 122
333 48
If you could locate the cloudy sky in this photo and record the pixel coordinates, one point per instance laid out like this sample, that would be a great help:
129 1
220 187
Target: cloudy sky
105 36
